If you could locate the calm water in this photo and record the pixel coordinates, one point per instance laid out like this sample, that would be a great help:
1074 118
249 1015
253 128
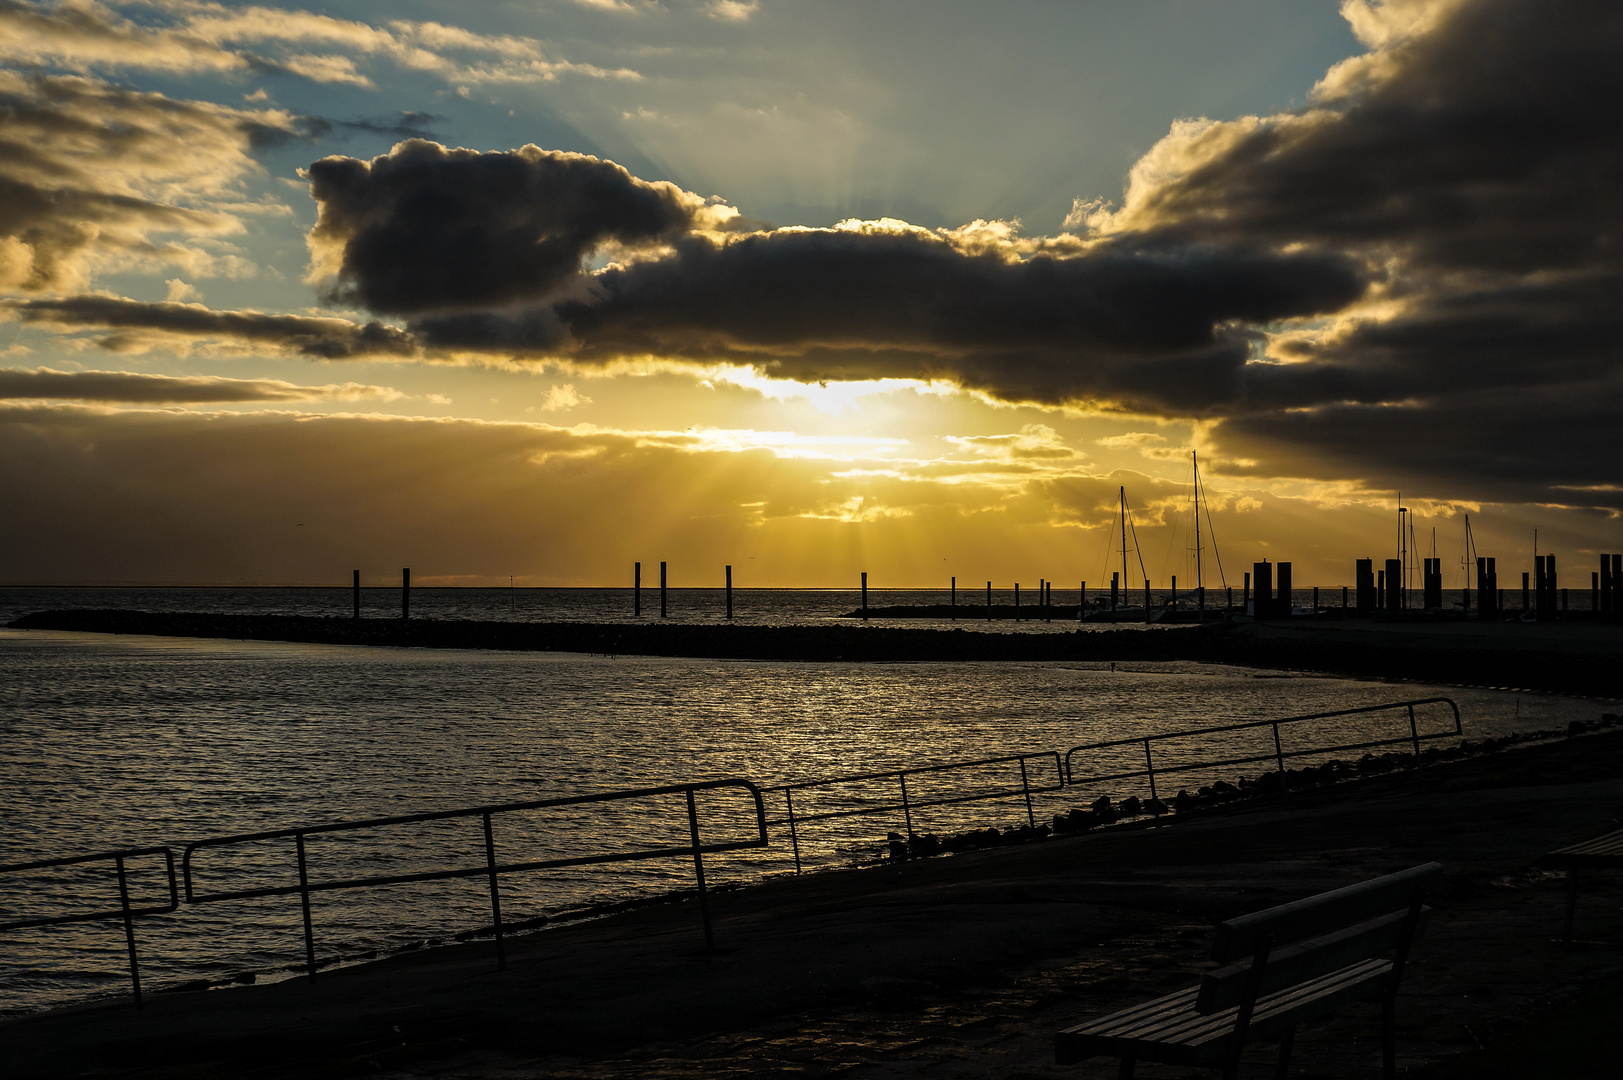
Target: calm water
109 742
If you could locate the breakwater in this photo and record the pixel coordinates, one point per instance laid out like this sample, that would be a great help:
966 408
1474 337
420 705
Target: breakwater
1522 658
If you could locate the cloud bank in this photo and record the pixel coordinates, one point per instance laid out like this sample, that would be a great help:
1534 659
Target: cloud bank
128 387
1439 224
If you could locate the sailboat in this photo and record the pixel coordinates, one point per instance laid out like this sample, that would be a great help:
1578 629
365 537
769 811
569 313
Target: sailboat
1121 610
1193 607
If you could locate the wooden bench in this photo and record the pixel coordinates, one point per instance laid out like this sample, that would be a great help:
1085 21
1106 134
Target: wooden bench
1601 852
1277 969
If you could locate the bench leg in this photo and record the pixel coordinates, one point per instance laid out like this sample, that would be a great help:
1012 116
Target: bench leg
1389 1040
1283 1069
1126 1070
1572 905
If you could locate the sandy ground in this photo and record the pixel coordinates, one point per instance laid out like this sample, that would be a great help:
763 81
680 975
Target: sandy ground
959 966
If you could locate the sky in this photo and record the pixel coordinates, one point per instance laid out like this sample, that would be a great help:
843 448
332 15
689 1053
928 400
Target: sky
539 289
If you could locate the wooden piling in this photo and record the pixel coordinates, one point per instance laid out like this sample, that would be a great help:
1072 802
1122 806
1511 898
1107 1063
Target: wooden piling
1245 597
988 601
357 588
1146 599
1115 589
636 588
664 611
729 592
405 593
1315 601
865 595
954 599
1017 601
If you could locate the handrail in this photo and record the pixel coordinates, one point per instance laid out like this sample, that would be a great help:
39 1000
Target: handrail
908 804
1279 754
124 911
490 868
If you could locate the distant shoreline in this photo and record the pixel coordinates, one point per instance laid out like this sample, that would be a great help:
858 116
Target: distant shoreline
1586 661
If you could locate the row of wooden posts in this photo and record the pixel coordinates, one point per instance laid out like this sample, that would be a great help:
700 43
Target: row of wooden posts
1376 590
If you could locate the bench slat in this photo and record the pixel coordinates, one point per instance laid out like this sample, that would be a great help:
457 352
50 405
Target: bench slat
1169 1033
1606 850
1323 913
1306 960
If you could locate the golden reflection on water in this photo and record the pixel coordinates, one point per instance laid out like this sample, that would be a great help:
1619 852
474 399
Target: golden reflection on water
111 742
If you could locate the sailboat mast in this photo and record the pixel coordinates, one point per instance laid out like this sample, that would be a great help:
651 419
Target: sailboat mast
1200 580
1123 494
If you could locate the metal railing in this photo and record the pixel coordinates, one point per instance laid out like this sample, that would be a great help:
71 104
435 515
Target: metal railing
124 911
490 868
1279 754
907 803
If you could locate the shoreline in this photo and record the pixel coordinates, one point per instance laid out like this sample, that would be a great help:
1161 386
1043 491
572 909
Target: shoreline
1574 659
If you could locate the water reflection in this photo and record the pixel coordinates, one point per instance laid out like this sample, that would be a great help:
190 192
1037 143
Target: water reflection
109 742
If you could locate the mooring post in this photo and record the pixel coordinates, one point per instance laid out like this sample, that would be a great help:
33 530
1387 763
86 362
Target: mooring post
988 601
1081 600
1146 599
1525 589
955 598
729 592
1115 589
1174 592
1017 601
357 593
664 610
636 588
405 593
865 595
1245 597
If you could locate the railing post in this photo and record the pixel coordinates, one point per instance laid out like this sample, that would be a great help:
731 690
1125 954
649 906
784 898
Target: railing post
1279 762
495 895
129 929
1025 788
1149 767
304 897
698 873
794 837
907 808
1414 739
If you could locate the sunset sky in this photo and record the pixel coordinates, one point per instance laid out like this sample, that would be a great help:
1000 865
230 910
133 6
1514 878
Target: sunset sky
541 288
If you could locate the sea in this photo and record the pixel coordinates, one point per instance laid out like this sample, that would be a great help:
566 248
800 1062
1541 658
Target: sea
111 742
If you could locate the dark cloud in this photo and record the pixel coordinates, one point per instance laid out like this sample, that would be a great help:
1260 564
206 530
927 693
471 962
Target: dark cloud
327 338
1442 223
1555 446
1152 326
424 227
139 388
